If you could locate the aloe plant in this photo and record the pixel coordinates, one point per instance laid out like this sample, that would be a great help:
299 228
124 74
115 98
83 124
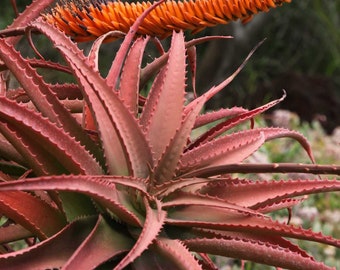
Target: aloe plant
96 176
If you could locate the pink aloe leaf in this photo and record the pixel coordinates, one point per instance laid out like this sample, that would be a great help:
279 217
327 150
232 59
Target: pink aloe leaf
210 117
93 55
107 106
57 146
274 133
41 63
115 154
228 149
101 188
277 205
152 226
38 156
34 155
39 256
66 91
166 254
129 81
172 186
32 213
13 232
42 96
169 160
256 194
175 254
265 238
163 111
196 199
101 245
230 123
237 221
30 81
212 216
148 110
256 251
8 152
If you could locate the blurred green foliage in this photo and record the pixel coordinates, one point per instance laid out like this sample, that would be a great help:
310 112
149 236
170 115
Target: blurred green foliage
307 38
303 37
7 13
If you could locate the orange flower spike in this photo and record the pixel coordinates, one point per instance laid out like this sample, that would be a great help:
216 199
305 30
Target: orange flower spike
85 20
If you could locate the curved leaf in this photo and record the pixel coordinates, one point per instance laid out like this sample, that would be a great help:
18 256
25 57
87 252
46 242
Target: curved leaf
274 133
8 152
175 255
93 55
13 232
249 236
33 84
100 188
255 194
228 149
129 81
151 228
114 154
36 158
49 141
39 256
230 123
42 96
195 199
255 251
237 221
172 186
210 117
32 213
101 245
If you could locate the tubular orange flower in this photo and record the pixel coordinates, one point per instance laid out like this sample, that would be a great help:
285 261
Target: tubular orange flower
87 19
